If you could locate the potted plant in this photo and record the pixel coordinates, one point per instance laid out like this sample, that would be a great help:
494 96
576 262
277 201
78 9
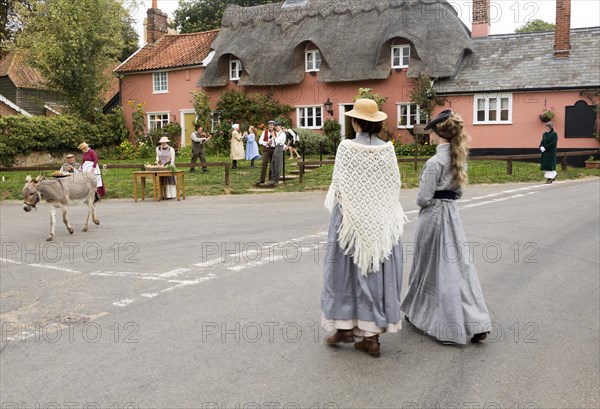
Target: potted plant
547 114
592 163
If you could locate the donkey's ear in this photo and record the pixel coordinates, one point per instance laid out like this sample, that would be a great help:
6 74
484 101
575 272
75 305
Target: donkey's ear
40 177
28 178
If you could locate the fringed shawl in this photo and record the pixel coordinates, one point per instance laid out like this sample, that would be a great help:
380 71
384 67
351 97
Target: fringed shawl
366 185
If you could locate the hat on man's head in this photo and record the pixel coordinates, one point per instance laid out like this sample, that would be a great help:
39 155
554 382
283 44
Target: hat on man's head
164 139
70 155
442 116
277 123
271 122
368 110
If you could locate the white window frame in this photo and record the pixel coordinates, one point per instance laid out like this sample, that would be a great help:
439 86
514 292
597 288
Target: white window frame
409 123
492 98
235 69
312 60
313 116
153 122
160 82
215 120
404 53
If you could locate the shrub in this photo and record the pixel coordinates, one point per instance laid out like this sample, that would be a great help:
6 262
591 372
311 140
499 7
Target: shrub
409 149
312 142
20 135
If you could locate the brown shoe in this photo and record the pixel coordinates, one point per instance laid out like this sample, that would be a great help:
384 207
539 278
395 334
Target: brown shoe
341 335
370 345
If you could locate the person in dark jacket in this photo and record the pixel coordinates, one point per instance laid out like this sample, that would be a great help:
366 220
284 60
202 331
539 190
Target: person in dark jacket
548 149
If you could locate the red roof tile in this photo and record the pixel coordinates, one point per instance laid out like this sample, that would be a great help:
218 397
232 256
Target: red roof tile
22 75
171 51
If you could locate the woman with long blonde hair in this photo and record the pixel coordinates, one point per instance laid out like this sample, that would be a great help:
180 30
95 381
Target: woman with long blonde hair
444 298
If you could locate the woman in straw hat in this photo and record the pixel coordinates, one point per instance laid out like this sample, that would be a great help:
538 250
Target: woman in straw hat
363 262
90 164
165 155
444 297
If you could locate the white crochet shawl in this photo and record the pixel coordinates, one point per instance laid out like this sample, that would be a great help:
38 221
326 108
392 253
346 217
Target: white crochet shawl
366 185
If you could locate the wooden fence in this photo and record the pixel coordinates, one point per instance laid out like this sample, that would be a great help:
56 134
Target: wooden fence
560 156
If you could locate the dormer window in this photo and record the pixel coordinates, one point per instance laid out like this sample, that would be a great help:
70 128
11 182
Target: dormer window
313 60
400 56
235 70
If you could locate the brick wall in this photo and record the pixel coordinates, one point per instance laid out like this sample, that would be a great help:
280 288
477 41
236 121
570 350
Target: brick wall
562 33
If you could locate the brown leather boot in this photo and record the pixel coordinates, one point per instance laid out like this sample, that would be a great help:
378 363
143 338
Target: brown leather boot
341 335
370 345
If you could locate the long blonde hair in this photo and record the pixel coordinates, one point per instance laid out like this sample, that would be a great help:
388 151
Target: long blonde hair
452 129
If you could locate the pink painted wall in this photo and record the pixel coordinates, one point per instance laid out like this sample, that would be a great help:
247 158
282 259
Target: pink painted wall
524 132
312 92
526 129
138 88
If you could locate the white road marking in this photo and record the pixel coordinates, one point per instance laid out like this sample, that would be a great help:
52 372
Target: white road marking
123 302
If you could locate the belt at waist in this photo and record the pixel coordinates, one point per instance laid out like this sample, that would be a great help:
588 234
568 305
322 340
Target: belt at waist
445 194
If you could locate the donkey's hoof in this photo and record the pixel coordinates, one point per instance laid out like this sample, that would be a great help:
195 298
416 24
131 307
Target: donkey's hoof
85 229
50 237
96 222
71 230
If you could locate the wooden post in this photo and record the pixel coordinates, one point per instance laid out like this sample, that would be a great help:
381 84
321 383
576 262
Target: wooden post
301 176
226 174
564 162
509 166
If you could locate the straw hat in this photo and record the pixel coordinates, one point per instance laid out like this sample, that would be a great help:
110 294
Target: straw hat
164 139
82 146
368 110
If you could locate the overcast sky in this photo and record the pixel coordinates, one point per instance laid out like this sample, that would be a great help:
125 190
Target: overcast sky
506 15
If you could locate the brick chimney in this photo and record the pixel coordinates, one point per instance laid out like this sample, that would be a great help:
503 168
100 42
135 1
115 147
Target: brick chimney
562 31
156 24
481 18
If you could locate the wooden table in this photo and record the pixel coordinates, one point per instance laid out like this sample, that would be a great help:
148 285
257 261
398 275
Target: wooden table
156 184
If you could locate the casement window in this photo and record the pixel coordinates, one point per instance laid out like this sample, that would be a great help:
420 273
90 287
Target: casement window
309 117
235 70
214 121
492 109
160 82
157 120
409 115
400 56
313 60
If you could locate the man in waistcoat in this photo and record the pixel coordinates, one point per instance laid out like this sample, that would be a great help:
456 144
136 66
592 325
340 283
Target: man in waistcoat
267 141
199 137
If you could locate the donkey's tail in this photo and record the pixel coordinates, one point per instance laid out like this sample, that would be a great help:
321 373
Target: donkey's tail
96 197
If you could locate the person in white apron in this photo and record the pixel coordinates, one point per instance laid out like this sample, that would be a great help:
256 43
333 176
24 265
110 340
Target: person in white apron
90 164
165 155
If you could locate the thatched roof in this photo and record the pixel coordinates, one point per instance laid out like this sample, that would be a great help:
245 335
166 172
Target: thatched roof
353 36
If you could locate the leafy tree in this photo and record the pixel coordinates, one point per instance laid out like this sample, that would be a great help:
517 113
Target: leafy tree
130 37
535 25
200 15
11 21
74 44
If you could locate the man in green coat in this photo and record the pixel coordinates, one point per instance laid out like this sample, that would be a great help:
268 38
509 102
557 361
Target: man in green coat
548 149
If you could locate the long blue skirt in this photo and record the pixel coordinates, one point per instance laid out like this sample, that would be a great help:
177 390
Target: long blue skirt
350 300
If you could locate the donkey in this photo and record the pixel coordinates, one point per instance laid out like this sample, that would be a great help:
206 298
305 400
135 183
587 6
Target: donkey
62 193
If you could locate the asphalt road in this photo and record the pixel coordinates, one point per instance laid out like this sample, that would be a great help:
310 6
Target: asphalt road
213 302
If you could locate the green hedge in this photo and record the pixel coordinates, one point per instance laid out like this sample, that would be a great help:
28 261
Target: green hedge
21 135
